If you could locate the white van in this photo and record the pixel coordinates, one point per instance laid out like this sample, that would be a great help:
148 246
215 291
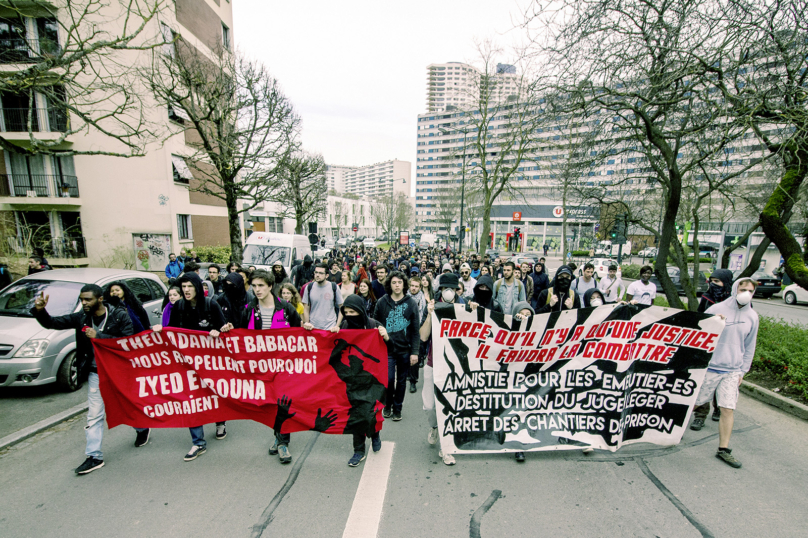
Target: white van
428 241
265 248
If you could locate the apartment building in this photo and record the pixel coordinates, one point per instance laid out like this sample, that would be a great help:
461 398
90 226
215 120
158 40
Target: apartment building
379 179
453 85
96 209
335 176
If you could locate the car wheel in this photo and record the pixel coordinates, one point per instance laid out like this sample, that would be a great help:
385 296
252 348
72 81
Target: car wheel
68 376
790 298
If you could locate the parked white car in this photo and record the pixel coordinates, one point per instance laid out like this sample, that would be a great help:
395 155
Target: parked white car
602 267
648 252
794 294
369 242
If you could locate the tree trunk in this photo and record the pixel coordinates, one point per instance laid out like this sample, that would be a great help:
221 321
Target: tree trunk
754 262
486 231
779 204
233 218
738 243
298 223
668 229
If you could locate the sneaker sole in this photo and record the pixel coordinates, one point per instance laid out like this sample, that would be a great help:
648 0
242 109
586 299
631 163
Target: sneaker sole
287 460
222 437
396 419
91 469
196 455
357 463
273 452
716 419
734 466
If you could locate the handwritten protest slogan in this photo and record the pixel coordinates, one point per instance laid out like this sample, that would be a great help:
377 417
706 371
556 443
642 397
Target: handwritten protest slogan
289 379
593 377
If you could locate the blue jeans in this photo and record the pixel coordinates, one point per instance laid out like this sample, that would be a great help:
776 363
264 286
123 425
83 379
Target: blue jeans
397 370
198 436
94 431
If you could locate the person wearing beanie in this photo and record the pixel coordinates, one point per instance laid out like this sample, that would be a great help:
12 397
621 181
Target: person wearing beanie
523 310
445 269
483 295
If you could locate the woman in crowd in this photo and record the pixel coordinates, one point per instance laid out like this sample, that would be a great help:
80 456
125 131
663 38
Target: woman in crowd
346 287
290 295
118 294
365 291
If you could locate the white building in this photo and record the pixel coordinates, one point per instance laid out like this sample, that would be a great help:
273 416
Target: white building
342 214
456 85
335 176
375 180
101 210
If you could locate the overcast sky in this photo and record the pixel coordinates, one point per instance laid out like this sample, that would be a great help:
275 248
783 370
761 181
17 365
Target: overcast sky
356 70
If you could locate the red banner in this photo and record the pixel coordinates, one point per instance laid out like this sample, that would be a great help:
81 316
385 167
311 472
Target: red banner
289 379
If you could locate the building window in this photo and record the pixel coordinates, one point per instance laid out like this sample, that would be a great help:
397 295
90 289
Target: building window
180 170
168 39
184 227
225 36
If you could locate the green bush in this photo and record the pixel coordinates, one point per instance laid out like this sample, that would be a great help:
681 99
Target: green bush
580 253
631 271
701 260
213 254
782 352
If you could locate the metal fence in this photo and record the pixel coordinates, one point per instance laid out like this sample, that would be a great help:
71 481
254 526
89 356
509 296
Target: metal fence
39 185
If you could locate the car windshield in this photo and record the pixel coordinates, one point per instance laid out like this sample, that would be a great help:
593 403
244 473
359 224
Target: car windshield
18 298
266 255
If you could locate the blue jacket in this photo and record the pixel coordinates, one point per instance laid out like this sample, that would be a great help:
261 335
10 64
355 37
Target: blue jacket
174 269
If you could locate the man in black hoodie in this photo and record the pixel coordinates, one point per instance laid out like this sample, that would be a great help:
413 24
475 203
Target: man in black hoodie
303 274
559 297
540 283
363 389
195 312
484 295
399 315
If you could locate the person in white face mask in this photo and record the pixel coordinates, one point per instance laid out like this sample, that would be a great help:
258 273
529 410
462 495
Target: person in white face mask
731 359
593 297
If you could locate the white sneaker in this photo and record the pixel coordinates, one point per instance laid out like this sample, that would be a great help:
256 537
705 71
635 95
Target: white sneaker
432 438
588 450
448 459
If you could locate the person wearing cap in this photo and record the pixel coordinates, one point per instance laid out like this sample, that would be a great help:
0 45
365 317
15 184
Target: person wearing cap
468 281
447 294
445 270
731 359
559 297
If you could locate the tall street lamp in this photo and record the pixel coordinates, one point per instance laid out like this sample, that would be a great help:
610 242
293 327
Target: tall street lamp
460 230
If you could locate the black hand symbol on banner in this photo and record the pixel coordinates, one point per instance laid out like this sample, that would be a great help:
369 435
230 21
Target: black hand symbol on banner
283 413
322 423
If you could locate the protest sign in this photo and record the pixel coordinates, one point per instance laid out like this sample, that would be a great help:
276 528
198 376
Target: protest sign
593 377
289 379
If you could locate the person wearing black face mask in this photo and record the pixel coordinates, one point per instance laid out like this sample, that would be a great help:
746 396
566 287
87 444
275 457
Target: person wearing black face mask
720 289
484 295
559 297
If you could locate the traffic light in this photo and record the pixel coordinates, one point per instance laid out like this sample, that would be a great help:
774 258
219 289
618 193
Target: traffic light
678 227
516 231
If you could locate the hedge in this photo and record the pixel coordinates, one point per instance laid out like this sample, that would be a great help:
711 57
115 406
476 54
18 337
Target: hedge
580 253
213 254
631 271
782 353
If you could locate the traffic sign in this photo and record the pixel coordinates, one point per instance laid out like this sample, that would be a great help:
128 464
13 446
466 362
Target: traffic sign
355 228
569 255
597 227
517 216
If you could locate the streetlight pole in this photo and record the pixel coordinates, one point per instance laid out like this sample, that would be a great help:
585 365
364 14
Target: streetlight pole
460 229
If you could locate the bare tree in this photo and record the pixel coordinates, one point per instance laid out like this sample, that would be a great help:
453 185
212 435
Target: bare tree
339 210
79 75
447 208
243 128
300 189
393 213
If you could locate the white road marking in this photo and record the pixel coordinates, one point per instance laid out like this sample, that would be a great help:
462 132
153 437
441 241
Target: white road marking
366 511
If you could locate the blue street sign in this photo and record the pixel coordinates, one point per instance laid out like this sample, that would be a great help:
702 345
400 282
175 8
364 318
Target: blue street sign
569 255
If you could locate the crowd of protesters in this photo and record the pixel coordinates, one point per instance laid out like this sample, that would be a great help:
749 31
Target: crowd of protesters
394 292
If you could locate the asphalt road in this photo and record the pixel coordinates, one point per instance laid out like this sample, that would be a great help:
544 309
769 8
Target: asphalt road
236 489
22 406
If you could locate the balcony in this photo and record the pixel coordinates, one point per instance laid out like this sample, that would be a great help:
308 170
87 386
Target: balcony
20 50
60 251
47 120
39 186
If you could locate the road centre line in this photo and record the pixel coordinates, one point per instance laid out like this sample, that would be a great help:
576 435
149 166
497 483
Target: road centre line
366 511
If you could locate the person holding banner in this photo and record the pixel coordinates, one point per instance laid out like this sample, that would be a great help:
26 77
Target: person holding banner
195 312
559 297
731 359
264 312
399 315
354 316
447 294
642 292
95 320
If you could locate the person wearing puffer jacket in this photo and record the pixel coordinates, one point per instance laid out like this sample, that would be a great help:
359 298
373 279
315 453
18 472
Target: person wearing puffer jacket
732 358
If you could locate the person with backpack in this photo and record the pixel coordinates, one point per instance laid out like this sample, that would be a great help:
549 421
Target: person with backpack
321 302
587 281
304 273
509 290
559 296
195 312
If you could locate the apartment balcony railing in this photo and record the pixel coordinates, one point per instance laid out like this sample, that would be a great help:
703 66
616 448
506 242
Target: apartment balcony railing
39 185
15 120
20 50
68 247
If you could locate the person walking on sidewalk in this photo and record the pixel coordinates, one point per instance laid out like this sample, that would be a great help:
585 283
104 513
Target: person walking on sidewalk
399 315
731 359
95 320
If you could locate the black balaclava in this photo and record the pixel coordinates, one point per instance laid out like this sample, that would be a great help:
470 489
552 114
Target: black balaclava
483 297
562 285
307 261
355 302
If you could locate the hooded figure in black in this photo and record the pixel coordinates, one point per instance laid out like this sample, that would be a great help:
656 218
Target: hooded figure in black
561 291
303 274
233 299
716 293
206 315
363 389
540 283
485 298
588 295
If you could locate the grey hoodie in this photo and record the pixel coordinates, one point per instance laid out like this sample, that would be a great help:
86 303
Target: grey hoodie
735 348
